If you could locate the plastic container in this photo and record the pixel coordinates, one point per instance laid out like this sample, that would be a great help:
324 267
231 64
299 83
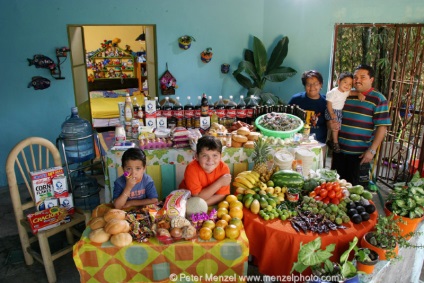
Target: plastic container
278 134
77 135
283 159
85 191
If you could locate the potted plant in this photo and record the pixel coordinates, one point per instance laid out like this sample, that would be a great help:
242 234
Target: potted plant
206 55
184 42
312 256
256 69
407 202
386 239
366 259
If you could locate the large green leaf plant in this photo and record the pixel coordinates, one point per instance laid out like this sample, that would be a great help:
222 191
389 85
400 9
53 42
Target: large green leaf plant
255 70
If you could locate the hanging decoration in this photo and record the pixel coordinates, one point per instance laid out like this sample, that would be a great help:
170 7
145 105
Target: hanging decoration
39 83
206 55
184 42
168 83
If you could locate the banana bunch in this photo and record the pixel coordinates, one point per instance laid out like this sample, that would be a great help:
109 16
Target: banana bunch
247 180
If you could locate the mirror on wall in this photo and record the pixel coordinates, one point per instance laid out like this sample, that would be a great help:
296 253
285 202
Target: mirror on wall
109 61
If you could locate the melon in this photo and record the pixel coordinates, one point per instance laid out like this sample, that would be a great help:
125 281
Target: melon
195 205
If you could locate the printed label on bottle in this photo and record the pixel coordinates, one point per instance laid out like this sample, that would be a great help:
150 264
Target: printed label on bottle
250 113
179 114
231 113
241 113
220 113
189 113
167 113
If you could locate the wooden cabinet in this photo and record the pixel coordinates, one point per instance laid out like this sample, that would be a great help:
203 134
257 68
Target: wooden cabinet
111 62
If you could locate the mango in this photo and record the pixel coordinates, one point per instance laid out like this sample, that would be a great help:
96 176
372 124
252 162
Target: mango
255 206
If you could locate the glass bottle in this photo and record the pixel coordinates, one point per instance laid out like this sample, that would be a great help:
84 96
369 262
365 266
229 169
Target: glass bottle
136 107
189 113
128 109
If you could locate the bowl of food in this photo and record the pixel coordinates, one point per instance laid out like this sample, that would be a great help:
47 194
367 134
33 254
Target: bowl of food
281 125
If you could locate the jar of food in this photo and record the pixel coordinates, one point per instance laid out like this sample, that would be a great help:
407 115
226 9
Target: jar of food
120 133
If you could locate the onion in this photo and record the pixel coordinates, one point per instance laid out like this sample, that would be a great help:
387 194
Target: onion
176 232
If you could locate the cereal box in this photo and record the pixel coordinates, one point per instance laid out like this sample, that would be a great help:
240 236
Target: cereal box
42 184
68 203
48 218
60 186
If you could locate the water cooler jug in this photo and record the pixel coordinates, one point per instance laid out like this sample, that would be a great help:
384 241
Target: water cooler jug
77 136
85 191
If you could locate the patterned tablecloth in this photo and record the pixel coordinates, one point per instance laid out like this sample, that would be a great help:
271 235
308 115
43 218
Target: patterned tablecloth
167 165
187 261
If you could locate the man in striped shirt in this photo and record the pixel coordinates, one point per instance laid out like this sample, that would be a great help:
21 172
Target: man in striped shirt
362 130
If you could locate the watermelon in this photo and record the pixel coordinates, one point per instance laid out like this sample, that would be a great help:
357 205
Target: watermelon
288 178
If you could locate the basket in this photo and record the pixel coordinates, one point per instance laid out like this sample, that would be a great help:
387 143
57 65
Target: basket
278 134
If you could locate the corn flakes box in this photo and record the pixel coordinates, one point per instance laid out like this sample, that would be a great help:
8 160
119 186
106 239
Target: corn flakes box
42 184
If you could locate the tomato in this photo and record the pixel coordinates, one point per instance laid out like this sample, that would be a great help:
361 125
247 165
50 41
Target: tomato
337 188
331 194
324 185
335 201
312 194
323 193
326 200
339 194
317 189
317 198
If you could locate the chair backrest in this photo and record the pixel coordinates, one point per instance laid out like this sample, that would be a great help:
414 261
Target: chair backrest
31 154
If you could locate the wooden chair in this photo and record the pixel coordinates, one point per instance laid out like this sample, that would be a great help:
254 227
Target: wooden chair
32 154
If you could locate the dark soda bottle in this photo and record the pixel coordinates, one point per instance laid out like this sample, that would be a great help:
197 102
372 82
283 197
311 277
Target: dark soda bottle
220 110
251 110
241 110
197 113
211 106
231 108
136 107
204 108
189 113
158 108
167 112
178 112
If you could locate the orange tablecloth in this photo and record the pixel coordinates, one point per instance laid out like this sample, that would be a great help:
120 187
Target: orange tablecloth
275 244
190 261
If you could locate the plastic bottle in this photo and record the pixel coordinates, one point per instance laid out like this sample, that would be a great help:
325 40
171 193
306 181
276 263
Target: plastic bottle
231 108
241 110
251 110
178 112
136 107
189 113
77 138
128 109
211 106
167 112
158 108
85 191
204 108
220 110
197 113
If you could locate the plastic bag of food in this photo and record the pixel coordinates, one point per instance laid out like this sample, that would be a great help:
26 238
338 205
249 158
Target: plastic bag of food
175 203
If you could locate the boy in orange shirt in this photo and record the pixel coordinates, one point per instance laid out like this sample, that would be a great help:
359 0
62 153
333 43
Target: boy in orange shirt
207 176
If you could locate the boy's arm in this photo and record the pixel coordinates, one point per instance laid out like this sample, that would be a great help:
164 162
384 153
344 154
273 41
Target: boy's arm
208 193
140 202
360 96
120 201
330 110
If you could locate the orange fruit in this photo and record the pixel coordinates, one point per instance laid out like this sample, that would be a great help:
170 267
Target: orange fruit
205 233
221 211
209 223
230 198
236 203
236 212
221 223
223 204
236 222
219 233
232 232
226 217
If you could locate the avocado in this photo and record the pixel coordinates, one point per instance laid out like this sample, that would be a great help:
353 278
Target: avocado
370 208
356 218
365 216
360 209
352 212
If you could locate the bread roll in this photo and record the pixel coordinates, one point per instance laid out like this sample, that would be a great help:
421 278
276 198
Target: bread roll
114 214
99 236
100 210
253 136
249 144
121 239
239 138
96 223
116 226
244 131
236 144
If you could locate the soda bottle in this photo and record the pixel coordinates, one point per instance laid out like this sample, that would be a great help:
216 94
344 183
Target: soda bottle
158 108
197 113
128 109
211 106
204 108
231 112
136 107
189 113
251 110
241 110
220 110
167 112
178 112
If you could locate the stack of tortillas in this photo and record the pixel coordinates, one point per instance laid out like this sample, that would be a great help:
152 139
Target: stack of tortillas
307 158
284 159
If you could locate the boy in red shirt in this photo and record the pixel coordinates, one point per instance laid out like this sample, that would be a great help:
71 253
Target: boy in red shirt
207 176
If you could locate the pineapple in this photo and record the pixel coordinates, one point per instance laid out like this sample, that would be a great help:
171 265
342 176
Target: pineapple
260 157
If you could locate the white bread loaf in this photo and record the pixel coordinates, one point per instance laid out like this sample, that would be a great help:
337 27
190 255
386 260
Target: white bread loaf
96 223
114 214
121 239
116 226
99 236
